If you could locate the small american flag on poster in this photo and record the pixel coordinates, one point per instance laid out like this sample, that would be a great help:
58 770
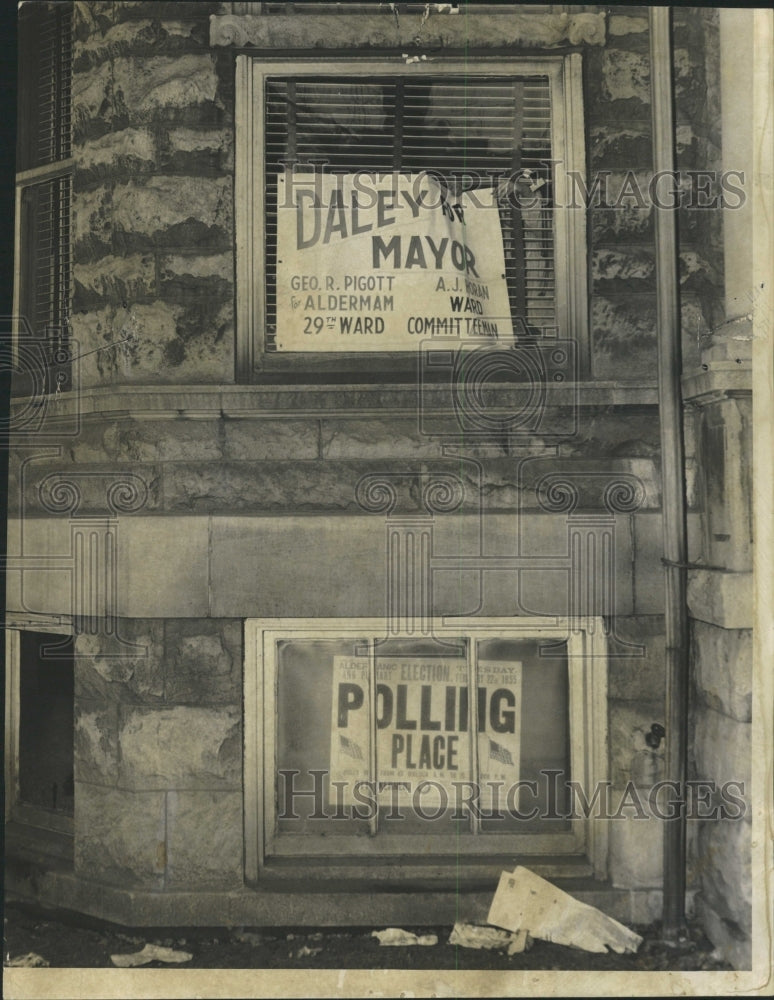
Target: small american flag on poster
350 748
497 752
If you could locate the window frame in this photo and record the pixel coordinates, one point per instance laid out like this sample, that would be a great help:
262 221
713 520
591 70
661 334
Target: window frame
17 811
253 363
586 651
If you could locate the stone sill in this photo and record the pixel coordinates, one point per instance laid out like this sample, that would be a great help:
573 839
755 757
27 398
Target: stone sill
273 908
31 843
721 379
314 400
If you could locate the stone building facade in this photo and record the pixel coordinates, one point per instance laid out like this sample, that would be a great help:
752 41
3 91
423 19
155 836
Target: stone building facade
215 496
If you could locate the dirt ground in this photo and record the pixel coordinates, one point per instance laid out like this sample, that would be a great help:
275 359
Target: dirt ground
65 939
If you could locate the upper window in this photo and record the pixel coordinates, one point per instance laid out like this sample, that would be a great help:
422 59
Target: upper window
44 184
389 204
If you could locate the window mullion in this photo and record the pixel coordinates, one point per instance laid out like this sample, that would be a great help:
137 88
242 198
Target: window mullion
516 221
291 155
472 658
373 762
397 161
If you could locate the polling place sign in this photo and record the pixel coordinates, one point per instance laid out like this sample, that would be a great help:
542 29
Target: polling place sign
380 262
419 718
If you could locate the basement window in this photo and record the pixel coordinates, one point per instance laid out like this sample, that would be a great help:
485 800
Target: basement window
40 728
460 745
387 203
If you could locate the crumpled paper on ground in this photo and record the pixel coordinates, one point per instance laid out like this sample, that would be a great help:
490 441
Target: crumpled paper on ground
489 938
151 953
29 961
395 937
525 901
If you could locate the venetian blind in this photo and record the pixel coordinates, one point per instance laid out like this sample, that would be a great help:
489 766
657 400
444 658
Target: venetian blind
45 140
45 70
470 131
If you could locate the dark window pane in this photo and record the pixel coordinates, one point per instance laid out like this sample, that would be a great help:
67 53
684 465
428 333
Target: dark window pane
545 735
46 721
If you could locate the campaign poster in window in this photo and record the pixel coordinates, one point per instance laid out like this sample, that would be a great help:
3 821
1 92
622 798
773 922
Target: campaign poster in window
382 262
419 717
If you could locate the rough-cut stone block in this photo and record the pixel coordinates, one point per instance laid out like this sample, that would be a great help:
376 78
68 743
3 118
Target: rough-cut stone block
273 486
624 337
725 853
175 440
125 667
168 343
722 663
96 743
92 224
93 106
695 150
722 751
166 87
617 271
619 432
181 747
160 206
622 210
613 485
192 151
623 24
636 664
621 146
120 836
377 438
204 840
115 280
271 440
636 845
625 76
690 82
698 273
115 154
719 598
167 10
203 661
630 757
194 280
139 37
190 268
698 314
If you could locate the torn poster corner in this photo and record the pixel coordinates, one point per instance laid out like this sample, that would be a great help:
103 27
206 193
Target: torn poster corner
525 901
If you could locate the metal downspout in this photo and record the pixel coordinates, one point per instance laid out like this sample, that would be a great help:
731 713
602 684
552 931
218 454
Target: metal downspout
672 469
